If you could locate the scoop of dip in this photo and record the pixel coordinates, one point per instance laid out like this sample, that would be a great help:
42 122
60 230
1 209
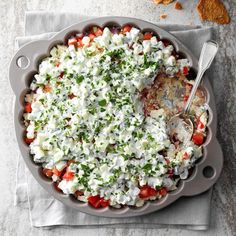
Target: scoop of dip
96 126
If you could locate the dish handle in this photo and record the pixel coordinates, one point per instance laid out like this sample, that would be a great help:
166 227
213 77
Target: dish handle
207 172
24 63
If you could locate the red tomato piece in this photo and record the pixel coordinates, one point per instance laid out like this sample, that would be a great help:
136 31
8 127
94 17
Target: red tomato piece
185 70
28 107
94 201
104 203
28 140
201 125
68 176
147 191
92 36
79 43
47 172
58 64
126 28
198 138
163 191
147 36
78 193
189 87
56 172
72 41
98 202
186 98
97 31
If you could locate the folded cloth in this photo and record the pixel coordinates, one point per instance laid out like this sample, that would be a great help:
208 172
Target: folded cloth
187 212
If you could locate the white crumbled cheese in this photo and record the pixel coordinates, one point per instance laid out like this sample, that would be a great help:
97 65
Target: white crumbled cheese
154 41
146 46
171 61
93 114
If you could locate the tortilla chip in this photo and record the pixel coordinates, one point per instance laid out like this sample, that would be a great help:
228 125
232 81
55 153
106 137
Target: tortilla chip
213 10
165 2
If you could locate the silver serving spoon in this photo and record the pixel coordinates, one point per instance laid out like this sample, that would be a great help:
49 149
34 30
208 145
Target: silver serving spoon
180 125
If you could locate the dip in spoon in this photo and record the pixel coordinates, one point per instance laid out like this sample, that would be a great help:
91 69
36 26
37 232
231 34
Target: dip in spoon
180 126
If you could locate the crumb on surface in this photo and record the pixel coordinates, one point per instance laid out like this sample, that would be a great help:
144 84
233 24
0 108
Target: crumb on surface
178 6
165 2
213 10
163 16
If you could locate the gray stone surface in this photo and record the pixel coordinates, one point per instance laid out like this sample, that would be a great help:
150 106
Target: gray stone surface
15 221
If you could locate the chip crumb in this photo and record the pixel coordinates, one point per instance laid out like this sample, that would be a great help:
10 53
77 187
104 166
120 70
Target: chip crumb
163 16
178 6
213 10
165 2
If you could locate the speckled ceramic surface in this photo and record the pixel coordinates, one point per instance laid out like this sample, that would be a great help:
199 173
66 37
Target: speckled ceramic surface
20 79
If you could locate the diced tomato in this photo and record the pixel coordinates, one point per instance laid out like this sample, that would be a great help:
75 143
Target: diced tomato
28 140
78 193
56 172
126 28
79 43
92 36
186 156
198 138
104 203
188 87
147 191
201 125
152 192
185 70
93 199
162 191
47 172
147 36
186 98
28 107
97 201
72 41
68 175
58 64
97 31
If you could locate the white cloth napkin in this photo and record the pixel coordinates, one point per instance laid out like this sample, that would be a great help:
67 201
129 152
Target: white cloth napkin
45 211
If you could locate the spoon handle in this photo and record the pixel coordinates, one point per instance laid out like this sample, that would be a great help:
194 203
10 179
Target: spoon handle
208 53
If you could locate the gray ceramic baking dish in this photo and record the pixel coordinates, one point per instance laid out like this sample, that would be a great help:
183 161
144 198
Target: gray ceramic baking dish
206 171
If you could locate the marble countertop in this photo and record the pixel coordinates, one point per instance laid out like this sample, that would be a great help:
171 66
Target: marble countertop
15 221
